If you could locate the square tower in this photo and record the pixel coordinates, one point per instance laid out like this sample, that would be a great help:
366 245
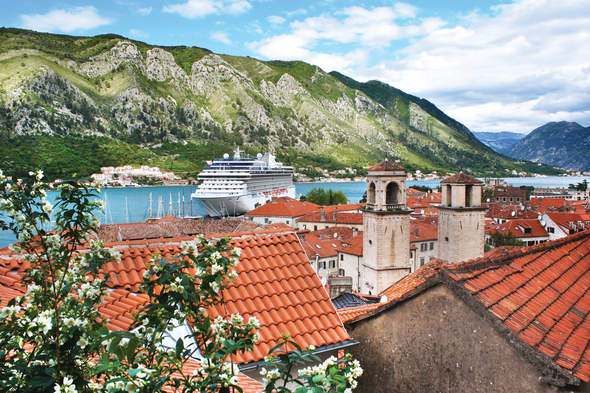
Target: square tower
461 223
386 226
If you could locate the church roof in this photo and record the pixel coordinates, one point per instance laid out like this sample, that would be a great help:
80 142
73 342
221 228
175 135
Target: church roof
387 166
461 178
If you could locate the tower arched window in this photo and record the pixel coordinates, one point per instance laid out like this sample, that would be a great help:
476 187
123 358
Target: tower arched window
392 194
371 193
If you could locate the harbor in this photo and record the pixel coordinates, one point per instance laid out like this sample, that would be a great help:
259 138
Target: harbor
139 204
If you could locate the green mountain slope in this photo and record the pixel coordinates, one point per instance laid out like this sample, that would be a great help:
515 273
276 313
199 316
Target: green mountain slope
136 97
561 144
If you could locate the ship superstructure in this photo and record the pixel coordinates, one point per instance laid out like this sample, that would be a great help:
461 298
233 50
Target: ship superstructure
234 186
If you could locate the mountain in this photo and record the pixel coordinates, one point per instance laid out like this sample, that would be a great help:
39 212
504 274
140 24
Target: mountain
70 104
563 144
499 141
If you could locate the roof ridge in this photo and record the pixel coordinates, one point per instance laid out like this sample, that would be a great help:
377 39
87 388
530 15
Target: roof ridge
482 262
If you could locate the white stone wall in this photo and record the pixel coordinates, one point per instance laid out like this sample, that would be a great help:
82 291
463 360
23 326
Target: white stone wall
461 234
386 249
352 265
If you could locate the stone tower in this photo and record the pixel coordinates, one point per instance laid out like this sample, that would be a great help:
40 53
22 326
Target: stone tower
386 225
461 222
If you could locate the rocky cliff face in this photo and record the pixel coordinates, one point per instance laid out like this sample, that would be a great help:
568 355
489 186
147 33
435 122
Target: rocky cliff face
145 95
563 144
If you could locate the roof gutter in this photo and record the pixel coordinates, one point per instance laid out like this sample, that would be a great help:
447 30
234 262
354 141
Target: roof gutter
323 349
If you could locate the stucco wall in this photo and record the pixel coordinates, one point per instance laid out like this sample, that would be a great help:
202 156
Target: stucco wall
435 343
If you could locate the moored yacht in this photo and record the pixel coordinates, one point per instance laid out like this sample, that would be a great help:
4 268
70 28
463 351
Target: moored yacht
234 186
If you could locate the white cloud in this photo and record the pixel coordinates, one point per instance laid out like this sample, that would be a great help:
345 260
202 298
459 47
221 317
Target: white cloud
513 67
67 21
199 8
276 20
220 36
138 33
525 65
145 11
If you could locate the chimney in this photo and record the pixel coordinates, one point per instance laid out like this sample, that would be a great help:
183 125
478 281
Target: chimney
355 232
323 215
275 199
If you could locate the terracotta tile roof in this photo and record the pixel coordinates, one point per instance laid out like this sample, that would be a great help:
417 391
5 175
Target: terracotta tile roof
350 313
547 202
461 178
171 229
344 234
507 191
424 232
540 293
314 246
415 203
414 280
284 207
501 251
519 228
119 306
275 283
9 286
567 220
512 214
353 249
343 208
387 166
432 198
341 218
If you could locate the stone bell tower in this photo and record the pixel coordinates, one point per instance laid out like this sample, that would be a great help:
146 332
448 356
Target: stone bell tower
386 226
461 223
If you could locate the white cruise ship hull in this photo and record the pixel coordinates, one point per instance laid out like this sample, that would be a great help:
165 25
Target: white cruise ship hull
231 187
224 206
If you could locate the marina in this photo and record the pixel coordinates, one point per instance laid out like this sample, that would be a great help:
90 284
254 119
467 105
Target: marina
132 204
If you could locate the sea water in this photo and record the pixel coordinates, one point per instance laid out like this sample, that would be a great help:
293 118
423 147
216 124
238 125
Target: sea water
137 204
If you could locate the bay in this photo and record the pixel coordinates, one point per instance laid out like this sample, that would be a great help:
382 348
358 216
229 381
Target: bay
136 204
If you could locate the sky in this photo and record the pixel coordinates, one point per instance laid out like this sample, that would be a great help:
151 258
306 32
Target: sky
493 65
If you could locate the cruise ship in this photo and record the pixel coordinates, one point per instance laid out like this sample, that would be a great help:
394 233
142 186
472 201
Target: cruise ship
234 186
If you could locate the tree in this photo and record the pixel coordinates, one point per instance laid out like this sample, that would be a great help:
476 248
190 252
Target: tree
498 239
529 191
364 198
53 339
488 193
582 186
326 198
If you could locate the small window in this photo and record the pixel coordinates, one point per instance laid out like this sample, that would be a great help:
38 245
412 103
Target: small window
266 220
287 222
550 230
304 226
422 260
315 227
431 245
341 257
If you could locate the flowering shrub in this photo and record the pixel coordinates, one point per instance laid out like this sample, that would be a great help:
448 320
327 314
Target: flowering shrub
53 338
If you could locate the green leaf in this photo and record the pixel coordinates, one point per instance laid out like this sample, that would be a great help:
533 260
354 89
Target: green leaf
131 350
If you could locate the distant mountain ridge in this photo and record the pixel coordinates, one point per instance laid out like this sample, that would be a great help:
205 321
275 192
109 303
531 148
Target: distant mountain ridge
171 105
562 144
499 141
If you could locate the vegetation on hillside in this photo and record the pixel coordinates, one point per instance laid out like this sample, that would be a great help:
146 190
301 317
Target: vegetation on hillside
57 87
